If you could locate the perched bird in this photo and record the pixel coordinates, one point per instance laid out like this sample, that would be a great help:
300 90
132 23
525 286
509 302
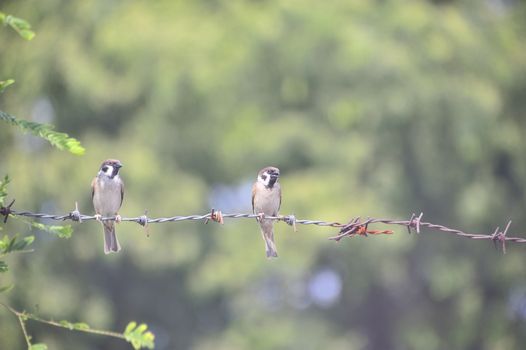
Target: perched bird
266 199
107 192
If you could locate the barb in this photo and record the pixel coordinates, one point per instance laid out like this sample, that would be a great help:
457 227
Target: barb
354 227
5 211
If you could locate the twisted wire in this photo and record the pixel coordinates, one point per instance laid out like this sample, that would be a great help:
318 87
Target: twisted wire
353 227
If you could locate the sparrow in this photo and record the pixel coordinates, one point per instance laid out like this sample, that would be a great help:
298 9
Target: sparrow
107 192
266 199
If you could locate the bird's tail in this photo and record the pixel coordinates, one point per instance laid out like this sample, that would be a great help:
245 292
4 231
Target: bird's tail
267 231
111 244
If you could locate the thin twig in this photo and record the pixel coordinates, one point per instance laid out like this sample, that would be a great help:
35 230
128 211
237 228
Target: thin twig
22 322
22 316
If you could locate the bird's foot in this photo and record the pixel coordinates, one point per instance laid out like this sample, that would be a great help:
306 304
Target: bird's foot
98 217
118 218
260 216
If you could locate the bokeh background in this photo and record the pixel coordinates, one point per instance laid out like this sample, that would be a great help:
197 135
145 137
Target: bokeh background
369 108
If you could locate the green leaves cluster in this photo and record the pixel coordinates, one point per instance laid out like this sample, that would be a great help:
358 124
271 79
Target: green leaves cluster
58 139
21 26
14 244
139 336
3 189
61 231
10 245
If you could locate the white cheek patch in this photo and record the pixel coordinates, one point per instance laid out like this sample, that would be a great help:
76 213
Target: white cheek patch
264 179
108 172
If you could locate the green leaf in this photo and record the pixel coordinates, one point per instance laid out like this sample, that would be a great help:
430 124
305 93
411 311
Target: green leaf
5 83
3 189
9 245
6 288
60 231
130 327
21 244
81 326
58 139
139 337
39 346
66 324
4 243
21 26
3 266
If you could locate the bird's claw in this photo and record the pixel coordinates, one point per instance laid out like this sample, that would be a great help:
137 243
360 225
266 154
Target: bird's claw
98 217
260 216
118 218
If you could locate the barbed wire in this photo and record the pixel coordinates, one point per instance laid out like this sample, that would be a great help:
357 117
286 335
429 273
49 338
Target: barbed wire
353 227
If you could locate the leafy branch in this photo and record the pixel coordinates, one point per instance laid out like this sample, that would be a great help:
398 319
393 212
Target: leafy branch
15 244
9 245
61 231
60 140
138 336
21 26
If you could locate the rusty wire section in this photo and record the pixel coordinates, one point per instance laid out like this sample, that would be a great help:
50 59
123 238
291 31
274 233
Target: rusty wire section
354 227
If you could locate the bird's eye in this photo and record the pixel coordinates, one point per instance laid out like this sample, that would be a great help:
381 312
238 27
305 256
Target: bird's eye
104 168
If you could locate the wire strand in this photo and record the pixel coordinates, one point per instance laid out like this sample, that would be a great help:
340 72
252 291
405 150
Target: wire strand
353 227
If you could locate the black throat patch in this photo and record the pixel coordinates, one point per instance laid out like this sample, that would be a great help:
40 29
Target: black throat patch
114 172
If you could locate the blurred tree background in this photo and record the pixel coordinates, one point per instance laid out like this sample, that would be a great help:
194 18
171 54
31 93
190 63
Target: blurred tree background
369 108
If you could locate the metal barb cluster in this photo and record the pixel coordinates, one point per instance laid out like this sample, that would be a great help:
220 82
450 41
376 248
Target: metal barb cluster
5 211
353 228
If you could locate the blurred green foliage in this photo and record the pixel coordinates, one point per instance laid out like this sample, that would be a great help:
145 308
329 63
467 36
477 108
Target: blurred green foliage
370 108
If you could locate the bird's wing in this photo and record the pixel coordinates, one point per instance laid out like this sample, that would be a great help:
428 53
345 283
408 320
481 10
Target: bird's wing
122 192
93 187
279 206
253 195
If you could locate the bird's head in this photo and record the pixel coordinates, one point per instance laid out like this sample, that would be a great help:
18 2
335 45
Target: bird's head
110 168
268 176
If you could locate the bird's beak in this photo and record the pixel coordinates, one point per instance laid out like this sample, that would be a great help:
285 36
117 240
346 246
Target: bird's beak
118 165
